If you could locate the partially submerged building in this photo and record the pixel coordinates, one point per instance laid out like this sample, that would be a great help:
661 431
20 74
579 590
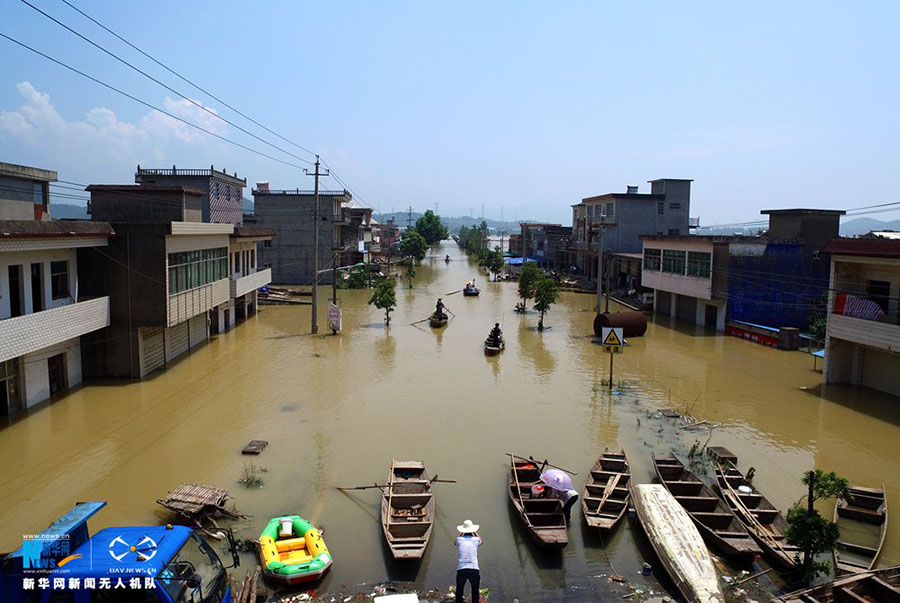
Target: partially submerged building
544 243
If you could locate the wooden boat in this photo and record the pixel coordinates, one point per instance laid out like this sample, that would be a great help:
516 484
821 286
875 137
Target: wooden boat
606 494
677 543
438 321
471 291
717 523
407 509
764 522
542 516
490 349
875 585
868 506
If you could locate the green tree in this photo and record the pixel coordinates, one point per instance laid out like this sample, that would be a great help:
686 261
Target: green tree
545 293
527 279
360 276
493 261
384 297
410 271
413 245
808 530
431 228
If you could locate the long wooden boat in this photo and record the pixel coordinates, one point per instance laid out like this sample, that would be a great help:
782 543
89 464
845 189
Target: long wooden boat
407 509
764 522
606 494
492 350
717 523
438 321
865 505
875 585
542 516
677 543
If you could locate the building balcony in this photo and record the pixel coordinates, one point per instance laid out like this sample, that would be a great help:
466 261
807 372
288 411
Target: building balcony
872 333
25 334
251 282
193 302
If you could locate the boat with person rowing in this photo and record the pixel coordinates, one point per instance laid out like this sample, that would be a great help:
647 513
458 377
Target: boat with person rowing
492 347
606 493
407 509
716 521
471 291
542 515
438 320
858 549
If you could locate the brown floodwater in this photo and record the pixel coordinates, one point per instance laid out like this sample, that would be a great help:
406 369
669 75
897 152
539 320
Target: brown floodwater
336 410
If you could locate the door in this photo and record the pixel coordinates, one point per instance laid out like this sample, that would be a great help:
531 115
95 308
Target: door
15 291
37 288
56 369
152 349
712 316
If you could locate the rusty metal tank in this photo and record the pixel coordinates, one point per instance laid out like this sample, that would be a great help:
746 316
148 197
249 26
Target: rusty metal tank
634 324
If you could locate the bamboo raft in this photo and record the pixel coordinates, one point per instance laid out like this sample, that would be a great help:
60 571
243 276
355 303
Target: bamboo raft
876 585
717 522
606 493
866 505
199 503
677 543
543 517
407 509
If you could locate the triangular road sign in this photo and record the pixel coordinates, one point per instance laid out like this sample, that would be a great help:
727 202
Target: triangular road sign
612 338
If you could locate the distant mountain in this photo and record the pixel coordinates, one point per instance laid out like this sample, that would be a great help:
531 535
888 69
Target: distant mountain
249 207
67 211
860 226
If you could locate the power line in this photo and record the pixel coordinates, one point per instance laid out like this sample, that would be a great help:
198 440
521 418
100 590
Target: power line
167 87
149 105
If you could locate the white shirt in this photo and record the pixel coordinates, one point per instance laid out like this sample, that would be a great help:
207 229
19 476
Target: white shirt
468 552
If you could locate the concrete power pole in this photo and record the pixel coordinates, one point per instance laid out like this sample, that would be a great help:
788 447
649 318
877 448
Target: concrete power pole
600 267
314 325
409 218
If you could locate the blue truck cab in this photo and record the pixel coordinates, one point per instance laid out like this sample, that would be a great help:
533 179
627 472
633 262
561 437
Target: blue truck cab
133 564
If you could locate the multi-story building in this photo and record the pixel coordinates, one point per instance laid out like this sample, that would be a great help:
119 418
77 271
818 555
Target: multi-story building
624 217
546 243
43 311
862 345
223 194
171 277
291 214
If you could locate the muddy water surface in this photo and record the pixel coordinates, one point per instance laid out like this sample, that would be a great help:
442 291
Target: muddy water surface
336 410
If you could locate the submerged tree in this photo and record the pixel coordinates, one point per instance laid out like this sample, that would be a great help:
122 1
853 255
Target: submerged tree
808 530
431 228
545 293
410 271
491 260
413 245
384 297
527 279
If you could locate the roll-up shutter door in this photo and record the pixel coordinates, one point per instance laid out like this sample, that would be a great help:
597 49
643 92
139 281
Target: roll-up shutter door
152 350
177 341
199 332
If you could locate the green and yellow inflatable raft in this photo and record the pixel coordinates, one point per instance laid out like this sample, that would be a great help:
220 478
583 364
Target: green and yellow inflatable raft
292 551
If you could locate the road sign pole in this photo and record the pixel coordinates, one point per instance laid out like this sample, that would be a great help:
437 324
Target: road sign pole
611 356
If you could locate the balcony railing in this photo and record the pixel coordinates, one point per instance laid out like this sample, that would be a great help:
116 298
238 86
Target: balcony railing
251 282
297 191
693 222
32 332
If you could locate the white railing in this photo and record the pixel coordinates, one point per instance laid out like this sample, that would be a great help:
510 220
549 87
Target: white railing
251 282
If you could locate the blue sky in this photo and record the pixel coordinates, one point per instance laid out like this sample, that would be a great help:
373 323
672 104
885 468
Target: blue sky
522 106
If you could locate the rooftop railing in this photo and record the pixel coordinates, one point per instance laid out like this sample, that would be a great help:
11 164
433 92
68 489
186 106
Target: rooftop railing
175 171
297 191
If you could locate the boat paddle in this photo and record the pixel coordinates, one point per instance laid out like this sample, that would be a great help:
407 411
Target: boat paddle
441 481
418 321
361 487
453 293
532 459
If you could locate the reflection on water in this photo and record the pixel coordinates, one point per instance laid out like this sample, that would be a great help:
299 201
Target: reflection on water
336 410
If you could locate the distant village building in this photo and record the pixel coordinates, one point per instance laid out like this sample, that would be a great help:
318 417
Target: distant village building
344 228
173 279
223 194
862 344
543 243
44 313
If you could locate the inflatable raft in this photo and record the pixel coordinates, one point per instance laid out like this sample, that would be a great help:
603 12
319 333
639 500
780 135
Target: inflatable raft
292 551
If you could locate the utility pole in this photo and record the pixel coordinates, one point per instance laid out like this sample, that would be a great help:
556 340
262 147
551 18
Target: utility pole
409 218
335 260
600 265
608 273
314 325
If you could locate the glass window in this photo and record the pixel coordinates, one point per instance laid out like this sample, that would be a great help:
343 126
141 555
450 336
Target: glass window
673 261
611 210
661 207
699 264
675 205
652 259
59 279
194 574
196 268
38 193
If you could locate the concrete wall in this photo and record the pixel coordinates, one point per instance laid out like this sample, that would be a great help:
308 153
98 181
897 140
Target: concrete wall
682 284
36 378
227 206
145 205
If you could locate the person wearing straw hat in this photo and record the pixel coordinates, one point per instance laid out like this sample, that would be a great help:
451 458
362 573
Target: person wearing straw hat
467 542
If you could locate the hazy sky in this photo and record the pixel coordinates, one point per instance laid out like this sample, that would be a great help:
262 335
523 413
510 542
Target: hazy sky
524 106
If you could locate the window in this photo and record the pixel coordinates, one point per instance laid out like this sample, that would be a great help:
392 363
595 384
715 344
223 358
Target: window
879 292
37 193
674 232
661 207
190 269
675 205
267 243
59 279
699 264
590 211
610 210
652 259
673 261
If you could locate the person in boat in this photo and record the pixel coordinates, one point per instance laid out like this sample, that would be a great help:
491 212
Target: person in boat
496 335
447 258
467 542
439 309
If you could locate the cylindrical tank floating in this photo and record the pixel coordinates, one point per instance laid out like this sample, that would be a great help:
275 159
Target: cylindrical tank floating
634 324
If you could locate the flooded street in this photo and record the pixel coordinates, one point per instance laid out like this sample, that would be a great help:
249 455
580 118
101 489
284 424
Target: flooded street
336 410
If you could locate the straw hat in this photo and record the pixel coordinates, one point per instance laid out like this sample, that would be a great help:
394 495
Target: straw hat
468 527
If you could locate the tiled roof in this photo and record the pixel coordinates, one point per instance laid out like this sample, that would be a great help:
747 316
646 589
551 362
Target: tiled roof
30 229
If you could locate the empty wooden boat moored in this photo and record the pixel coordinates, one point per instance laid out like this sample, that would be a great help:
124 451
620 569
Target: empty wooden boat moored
541 514
407 509
858 551
717 522
876 585
764 522
606 493
677 543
